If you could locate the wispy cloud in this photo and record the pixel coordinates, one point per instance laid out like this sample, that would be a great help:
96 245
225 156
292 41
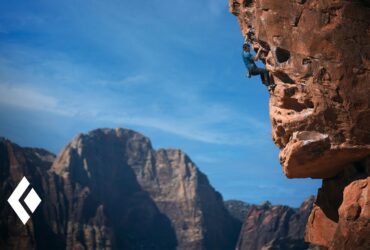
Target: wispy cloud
204 129
125 81
206 132
172 71
26 97
56 83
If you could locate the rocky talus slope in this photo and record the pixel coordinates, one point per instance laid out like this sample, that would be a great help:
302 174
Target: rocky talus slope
109 189
318 53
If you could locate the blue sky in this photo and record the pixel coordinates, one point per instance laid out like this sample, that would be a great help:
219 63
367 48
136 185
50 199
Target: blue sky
171 70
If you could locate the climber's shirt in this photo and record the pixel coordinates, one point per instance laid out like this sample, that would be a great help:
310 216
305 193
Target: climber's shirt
248 60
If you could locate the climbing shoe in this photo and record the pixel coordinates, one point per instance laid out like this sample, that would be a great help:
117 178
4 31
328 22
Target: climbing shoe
271 87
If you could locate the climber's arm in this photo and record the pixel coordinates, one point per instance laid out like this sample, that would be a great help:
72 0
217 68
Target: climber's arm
257 56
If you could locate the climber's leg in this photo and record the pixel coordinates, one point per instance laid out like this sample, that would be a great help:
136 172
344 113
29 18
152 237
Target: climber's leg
264 74
267 77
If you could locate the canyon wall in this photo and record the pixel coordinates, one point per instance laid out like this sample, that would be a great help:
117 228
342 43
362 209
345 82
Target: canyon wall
269 226
317 52
109 189
16 162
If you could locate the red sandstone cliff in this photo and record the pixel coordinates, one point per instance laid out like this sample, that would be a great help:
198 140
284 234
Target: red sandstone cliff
318 54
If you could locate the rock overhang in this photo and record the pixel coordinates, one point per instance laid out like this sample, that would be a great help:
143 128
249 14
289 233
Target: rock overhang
320 63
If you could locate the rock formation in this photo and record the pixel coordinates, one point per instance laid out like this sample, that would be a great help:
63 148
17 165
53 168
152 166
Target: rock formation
318 54
275 227
341 217
319 58
16 162
109 189
238 209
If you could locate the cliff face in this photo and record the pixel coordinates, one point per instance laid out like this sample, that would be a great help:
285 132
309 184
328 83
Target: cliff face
109 189
318 54
16 162
319 58
104 206
341 217
275 227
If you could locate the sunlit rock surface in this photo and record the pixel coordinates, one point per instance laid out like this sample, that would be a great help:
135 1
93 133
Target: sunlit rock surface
318 54
319 58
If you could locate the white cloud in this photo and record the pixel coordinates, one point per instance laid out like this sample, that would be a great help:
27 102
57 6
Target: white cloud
128 80
202 129
172 101
204 158
26 97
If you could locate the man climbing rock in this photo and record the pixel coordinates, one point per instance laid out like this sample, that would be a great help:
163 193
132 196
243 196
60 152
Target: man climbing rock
252 68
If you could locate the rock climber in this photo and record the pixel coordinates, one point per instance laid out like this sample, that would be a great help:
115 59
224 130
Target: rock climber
252 68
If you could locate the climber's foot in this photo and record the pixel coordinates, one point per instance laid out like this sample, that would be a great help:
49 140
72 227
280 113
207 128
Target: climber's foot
271 87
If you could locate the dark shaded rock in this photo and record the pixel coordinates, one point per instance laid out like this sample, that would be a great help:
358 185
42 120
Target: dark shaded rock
109 189
275 227
33 163
341 216
105 206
